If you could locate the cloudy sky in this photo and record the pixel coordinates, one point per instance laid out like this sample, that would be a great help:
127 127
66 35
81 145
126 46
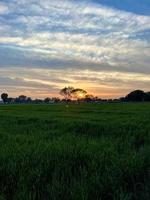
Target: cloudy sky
102 46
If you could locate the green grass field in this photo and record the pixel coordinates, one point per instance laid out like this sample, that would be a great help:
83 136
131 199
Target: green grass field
83 152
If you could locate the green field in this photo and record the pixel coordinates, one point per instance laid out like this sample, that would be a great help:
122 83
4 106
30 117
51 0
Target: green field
83 152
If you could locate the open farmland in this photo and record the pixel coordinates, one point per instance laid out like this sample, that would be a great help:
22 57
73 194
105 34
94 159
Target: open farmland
80 152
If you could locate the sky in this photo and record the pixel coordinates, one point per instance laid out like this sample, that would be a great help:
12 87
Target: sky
102 46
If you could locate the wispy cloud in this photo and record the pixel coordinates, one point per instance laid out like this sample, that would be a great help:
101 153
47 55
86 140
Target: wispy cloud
45 82
69 34
3 8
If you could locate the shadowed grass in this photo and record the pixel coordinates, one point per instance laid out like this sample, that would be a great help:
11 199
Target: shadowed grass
83 152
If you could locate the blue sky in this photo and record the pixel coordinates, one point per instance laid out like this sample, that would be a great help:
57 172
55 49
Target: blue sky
136 6
102 46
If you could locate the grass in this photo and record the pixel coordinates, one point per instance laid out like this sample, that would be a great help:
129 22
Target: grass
84 152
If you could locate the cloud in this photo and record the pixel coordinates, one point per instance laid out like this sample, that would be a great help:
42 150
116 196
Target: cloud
3 9
39 82
73 35
76 31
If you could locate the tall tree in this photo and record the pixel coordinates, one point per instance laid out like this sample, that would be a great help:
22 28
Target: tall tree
137 95
89 98
67 92
4 97
147 96
79 93
22 99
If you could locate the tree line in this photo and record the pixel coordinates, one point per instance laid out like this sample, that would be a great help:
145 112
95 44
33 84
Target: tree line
71 94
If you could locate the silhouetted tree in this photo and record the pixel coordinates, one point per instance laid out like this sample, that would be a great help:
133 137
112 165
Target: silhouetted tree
28 100
10 100
67 92
22 98
122 99
38 101
89 98
55 99
78 93
4 97
137 95
147 96
47 100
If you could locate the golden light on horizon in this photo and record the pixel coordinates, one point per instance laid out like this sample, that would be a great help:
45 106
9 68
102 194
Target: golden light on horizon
42 83
81 96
